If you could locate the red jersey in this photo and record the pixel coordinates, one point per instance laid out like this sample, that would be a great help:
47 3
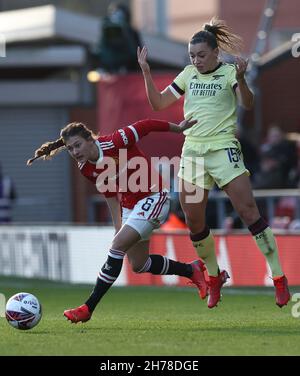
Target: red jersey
122 168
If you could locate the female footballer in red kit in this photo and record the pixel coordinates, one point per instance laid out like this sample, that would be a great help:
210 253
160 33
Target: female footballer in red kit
136 214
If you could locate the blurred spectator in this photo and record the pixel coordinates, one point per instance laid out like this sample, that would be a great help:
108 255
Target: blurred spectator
250 155
119 41
296 138
280 223
278 162
286 207
295 225
7 197
271 175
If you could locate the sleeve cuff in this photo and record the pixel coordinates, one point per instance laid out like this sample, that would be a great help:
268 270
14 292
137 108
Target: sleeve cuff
176 91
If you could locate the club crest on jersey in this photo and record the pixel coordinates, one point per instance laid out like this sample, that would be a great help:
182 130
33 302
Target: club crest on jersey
217 76
123 135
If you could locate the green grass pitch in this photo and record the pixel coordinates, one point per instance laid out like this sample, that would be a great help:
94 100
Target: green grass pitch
153 321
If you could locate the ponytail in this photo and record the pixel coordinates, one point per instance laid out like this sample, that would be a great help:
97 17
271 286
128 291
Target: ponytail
218 34
47 150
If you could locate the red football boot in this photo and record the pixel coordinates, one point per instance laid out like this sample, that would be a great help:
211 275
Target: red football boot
79 314
282 293
198 278
214 288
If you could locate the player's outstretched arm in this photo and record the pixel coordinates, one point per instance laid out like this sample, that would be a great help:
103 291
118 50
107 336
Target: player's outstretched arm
158 100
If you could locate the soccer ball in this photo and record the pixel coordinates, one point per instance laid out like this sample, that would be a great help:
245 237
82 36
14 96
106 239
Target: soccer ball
23 311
